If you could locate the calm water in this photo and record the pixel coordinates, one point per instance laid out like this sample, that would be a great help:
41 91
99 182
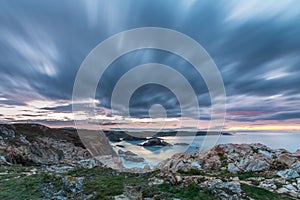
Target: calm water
153 155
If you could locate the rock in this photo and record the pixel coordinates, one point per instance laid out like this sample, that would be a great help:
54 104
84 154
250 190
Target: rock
292 191
121 197
7 132
268 186
286 159
288 174
254 163
297 153
155 181
89 163
147 167
232 168
290 187
195 165
154 142
59 169
111 162
73 184
34 144
174 179
24 140
282 190
178 179
3 161
234 187
296 167
224 190
236 157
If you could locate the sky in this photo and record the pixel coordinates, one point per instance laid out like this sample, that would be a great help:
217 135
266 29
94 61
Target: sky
254 44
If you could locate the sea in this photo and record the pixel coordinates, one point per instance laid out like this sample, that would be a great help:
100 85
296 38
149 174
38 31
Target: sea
154 154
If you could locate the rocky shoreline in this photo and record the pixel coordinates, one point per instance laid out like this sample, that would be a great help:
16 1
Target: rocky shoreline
58 166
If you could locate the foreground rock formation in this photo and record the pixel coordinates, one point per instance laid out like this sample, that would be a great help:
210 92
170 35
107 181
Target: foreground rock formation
38 145
275 170
61 168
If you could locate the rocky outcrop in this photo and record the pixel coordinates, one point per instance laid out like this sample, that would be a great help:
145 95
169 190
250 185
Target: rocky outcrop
280 165
37 145
234 158
154 142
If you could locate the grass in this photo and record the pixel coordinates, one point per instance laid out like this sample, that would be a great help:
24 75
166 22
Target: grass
261 194
166 191
21 188
106 183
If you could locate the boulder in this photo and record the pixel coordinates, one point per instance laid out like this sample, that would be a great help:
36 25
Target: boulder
288 174
296 167
286 159
232 168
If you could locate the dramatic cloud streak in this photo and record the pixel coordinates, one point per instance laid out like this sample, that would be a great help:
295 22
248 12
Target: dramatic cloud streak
255 45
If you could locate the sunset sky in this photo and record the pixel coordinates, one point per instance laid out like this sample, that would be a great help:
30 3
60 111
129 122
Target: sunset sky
255 45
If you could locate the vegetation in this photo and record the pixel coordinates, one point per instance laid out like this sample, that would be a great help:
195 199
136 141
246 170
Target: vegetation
106 183
166 191
261 194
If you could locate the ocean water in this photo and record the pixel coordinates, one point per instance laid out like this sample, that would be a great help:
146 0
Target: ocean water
152 155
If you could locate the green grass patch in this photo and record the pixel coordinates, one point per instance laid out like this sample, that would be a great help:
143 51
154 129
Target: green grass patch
167 191
21 188
261 194
106 183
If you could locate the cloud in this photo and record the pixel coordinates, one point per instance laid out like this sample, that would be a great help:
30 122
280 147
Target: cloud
254 44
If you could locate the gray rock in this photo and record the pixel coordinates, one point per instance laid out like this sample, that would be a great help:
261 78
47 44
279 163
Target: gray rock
3 161
73 184
296 167
290 187
155 181
7 132
89 163
232 168
288 173
196 165
282 190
